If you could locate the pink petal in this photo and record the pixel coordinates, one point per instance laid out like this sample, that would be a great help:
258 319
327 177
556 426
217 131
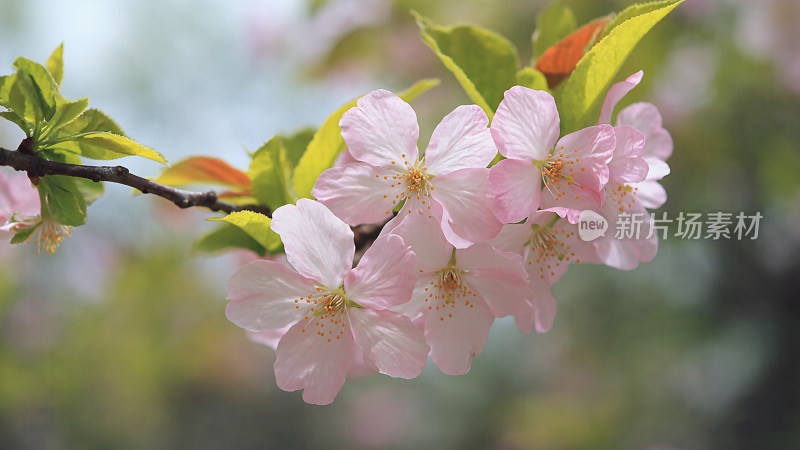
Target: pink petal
318 245
627 164
358 193
651 194
426 239
499 278
461 141
657 169
517 186
385 276
512 237
526 124
615 94
344 159
313 360
264 296
390 341
382 130
270 338
646 118
456 333
545 308
466 204
418 305
585 155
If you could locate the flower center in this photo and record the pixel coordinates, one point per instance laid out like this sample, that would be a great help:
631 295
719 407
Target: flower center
559 166
416 187
49 235
550 248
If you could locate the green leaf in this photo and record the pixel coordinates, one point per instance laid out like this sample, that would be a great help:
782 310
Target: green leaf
66 112
92 120
5 88
104 145
91 190
45 86
595 71
225 237
484 62
256 225
296 145
25 102
553 24
13 117
62 200
270 173
23 234
55 64
327 143
532 78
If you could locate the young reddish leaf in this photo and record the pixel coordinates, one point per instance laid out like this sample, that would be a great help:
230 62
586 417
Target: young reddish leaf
203 169
558 61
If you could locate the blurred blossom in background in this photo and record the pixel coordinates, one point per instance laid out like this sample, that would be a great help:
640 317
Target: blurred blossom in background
120 339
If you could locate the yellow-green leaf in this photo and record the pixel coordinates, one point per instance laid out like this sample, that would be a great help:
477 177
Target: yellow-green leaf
553 24
256 225
104 145
532 78
484 62
595 71
270 173
55 64
225 237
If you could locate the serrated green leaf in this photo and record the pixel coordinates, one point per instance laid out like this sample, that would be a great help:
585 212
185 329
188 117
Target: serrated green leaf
553 24
24 101
92 120
595 71
62 200
66 112
45 86
484 62
23 234
532 78
270 173
226 237
256 225
55 64
14 118
327 143
104 146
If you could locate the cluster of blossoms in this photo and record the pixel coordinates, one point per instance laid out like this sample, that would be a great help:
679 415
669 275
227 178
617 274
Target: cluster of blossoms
20 212
468 243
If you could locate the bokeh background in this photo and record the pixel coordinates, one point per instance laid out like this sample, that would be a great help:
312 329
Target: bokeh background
120 340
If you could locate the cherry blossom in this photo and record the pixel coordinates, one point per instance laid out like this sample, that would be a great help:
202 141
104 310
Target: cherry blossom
19 202
547 244
333 311
449 184
460 292
573 170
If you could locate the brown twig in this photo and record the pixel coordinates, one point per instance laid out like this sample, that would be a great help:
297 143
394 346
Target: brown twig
37 167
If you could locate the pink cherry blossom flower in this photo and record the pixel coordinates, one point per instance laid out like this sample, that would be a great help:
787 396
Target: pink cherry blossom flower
547 244
460 292
449 184
19 202
573 170
658 145
333 310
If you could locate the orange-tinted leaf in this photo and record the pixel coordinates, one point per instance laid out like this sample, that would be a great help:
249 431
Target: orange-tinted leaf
204 170
558 61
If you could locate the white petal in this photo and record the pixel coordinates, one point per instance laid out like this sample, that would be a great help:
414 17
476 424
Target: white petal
456 333
390 341
358 193
466 203
314 360
526 124
385 276
461 141
265 296
382 130
318 245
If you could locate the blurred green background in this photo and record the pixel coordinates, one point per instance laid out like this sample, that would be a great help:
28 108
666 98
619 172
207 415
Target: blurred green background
120 340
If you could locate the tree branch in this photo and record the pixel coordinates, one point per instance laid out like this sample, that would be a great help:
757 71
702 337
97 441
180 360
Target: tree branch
25 160
38 167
